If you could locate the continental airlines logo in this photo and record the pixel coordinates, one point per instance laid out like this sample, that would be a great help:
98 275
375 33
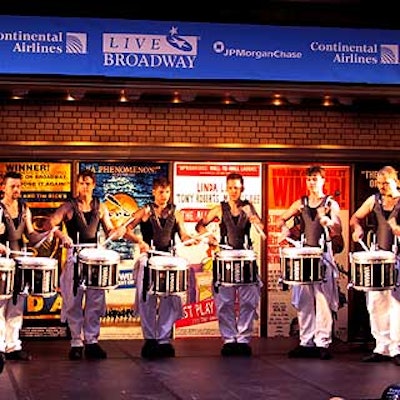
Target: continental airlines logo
45 42
360 53
76 43
137 50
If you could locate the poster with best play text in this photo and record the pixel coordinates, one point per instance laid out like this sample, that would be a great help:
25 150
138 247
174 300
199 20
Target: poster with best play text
197 188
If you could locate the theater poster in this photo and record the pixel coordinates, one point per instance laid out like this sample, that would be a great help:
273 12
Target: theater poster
365 186
124 187
285 184
197 188
45 186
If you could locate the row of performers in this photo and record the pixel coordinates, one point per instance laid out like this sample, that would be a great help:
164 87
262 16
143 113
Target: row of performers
160 274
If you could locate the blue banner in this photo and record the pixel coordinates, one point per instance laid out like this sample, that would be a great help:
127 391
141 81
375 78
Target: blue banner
197 51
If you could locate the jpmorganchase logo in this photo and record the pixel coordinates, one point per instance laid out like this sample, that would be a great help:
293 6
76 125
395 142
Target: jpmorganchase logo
76 43
150 51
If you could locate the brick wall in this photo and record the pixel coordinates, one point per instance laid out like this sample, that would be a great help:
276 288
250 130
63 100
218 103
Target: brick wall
60 123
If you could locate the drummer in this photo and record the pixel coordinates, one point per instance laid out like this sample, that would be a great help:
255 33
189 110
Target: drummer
314 302
82 216
235 217
15 220
159 221
383 305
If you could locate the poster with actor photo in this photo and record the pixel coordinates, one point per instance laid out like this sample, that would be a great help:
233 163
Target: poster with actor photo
197 188
124 187
285 184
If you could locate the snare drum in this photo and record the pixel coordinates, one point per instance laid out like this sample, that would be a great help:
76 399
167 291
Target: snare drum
373 270
168 275
235 267
301 265
37 275
98 268
7 272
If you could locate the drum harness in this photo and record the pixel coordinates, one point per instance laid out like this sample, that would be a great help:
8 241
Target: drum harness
229 227
88 223
15 228
386 215
159 229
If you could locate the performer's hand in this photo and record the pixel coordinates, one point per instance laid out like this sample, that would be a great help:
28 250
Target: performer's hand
285 232
394 226
325 221
66 241
143 247
357 234
3 249
212 241
2 228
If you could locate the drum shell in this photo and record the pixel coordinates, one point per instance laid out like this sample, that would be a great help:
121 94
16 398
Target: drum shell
235 267
7 273
302 266
168 275
98 268
37 275
373 270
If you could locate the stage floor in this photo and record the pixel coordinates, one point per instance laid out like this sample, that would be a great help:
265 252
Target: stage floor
198 372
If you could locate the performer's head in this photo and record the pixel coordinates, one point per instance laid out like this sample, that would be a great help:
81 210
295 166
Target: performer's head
315 170
86 182
315 179
234 186
387 180
12 185
161 191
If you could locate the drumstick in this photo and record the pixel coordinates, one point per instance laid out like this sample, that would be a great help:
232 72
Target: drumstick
125 224
45 237
195 238
295 243
21 253
363 245
160 253
256 225
225 246
84 245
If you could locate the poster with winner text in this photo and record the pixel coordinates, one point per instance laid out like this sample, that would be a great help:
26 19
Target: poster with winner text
45 186
285 184
124 187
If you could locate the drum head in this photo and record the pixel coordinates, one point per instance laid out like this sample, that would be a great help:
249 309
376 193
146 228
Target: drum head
366 257
6 263
300 252
99 255
166 262
36 262
236 254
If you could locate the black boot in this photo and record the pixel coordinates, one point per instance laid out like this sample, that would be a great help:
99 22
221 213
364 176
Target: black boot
94 352
150 349
2 361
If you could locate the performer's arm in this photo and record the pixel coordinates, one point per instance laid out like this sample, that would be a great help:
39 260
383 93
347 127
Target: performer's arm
214 213
293 210
183 234
140 215
360 214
